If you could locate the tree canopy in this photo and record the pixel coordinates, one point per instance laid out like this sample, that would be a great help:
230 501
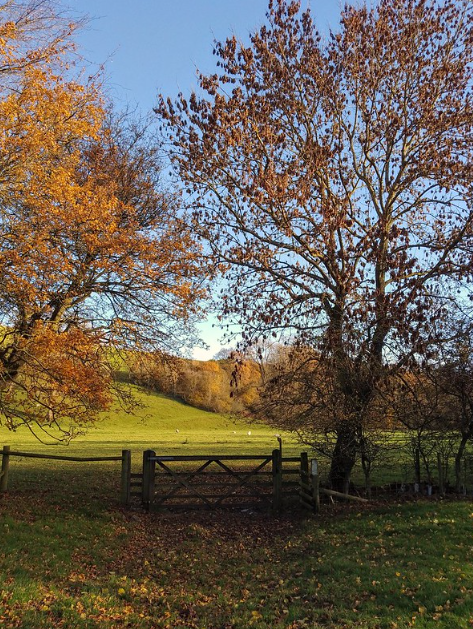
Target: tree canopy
331 180
94 258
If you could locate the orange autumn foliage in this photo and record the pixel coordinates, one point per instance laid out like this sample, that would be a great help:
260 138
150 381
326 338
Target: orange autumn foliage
93 256
210 385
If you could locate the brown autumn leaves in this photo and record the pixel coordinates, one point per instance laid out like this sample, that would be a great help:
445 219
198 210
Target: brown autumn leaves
331 179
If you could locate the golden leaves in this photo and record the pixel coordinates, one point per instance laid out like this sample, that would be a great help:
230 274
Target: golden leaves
87 239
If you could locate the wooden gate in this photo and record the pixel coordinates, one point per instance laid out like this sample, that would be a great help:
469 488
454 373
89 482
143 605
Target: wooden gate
218 481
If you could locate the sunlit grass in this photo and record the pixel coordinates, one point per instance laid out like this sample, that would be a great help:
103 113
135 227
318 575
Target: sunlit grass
159 423
71 557
84 563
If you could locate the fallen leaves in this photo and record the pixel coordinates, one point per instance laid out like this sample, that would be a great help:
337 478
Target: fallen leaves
232 571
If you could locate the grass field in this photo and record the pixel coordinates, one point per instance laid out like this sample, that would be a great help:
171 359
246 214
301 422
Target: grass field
161 424
71 557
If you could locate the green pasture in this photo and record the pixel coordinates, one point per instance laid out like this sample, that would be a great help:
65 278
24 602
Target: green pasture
161 424
71 558
157 423
171 427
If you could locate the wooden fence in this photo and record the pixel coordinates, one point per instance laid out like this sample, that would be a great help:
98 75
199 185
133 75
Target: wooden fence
125 459
310 486
216 481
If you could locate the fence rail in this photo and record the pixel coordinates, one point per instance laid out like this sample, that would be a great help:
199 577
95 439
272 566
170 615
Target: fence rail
57 457
124 457
268 479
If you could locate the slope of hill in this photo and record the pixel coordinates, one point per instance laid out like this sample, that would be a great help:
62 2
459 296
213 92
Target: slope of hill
162 424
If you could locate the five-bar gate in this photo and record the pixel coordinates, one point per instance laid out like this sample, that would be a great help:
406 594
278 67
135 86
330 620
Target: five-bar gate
217 481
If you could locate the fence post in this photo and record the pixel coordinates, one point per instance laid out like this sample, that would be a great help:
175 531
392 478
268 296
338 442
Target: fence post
440 471
314 473
126 478
148 478
5 466
277 480
305 487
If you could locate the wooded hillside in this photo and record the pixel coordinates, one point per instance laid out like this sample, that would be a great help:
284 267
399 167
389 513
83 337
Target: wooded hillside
212 385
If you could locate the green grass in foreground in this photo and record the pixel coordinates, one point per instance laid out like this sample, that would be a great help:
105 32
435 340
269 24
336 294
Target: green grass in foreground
73 559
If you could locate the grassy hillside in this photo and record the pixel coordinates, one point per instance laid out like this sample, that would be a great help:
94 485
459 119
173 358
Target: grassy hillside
161 424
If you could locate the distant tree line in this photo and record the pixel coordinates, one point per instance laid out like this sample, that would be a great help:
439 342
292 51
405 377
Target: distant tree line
209 385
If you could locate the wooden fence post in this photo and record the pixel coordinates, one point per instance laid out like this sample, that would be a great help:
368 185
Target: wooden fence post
305 468
305 488
5 466
277 480
440 471
126 478
315 482
148 478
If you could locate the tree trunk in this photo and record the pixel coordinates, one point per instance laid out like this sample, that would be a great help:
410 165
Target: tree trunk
344 457
458 462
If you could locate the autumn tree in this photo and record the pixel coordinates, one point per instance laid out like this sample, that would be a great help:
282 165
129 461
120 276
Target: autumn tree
421 410
208 385
331 180
454 376
32 32
94 259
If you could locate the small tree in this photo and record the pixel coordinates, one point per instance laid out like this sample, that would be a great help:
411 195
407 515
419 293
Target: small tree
421 411
453 377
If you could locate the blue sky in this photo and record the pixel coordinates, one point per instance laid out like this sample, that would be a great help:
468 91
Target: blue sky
156 45
152 46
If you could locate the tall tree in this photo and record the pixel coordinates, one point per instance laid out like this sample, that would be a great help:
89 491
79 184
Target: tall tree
94 259
332 182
